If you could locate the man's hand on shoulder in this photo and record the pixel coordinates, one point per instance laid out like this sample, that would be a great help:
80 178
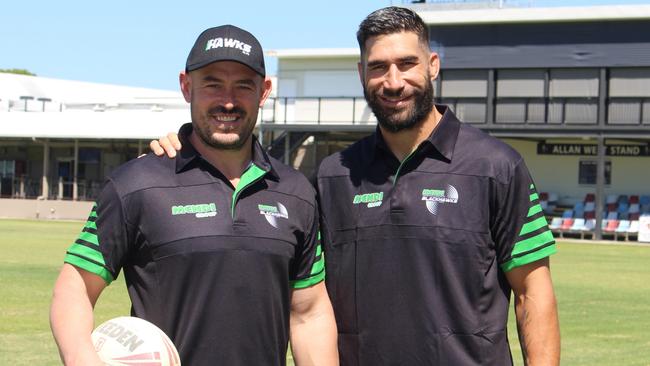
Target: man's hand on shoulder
166 145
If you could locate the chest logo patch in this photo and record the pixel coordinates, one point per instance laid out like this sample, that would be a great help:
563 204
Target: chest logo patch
272 213
200 210
371 199
434 197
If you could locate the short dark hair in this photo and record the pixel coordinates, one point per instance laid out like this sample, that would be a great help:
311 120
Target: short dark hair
391 20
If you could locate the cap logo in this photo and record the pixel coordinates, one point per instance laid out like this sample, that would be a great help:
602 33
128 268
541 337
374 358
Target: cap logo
229 43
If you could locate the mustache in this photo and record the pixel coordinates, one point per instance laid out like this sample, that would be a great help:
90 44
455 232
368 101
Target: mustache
392 93
223 110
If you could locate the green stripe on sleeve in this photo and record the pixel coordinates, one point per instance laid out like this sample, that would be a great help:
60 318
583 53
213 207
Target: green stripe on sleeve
533 210
536 224
532 243
529 258
85 252
91 225
89 237
534 197
89 266
309 281
318 266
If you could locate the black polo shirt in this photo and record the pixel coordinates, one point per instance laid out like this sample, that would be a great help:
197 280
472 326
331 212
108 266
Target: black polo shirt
211 265
416 252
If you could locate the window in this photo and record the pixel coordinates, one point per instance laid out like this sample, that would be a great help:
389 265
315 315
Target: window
587 172
520 96
465 91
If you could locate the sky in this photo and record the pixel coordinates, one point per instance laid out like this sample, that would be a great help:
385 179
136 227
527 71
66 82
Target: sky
145 43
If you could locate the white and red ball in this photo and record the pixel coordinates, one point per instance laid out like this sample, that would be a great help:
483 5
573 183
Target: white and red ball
130 341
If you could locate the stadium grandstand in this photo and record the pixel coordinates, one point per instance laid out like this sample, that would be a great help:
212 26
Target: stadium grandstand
568 87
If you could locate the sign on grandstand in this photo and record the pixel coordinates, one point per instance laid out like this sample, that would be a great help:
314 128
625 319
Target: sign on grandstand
544 148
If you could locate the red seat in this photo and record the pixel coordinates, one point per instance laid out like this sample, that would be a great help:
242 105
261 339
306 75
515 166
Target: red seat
543 196
590 197
634 199
566 224
634 216
612 225
590 215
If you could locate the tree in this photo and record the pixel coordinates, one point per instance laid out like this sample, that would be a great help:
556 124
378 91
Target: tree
17 71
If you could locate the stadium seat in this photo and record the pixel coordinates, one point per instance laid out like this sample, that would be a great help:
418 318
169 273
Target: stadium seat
556 223
623 207
634 216
623 199
603 224
621 230
578 225
567 214
567 224
590 215
633 231
551 203
612 215
634 199
588 228
590 206
611 226
634 208
590 197
645 208
543 196
579 210
644 200
611 198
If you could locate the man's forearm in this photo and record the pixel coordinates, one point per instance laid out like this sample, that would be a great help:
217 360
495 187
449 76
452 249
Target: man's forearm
538 328
313 339
313 328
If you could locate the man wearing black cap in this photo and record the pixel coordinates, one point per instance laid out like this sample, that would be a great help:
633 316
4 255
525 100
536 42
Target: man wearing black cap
219 247
429 225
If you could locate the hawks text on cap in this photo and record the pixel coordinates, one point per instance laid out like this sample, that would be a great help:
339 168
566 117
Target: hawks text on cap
226 43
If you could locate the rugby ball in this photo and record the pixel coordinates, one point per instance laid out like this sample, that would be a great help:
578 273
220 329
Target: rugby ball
130 341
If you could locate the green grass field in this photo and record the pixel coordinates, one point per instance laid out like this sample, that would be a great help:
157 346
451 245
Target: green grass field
603 294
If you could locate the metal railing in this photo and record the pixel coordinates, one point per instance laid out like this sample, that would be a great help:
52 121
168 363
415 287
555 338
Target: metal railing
317 110
552 111
29 187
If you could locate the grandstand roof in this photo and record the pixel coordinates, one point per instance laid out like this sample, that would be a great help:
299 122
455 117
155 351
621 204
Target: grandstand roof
13 86
313 52
433 16
75 109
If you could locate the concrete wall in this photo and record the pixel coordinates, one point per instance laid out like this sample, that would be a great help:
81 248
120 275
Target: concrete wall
44 209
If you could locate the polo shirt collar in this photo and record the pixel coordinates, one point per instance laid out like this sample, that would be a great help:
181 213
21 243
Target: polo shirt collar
442 138
188 156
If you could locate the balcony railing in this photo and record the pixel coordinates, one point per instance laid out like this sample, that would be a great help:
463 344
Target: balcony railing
534 111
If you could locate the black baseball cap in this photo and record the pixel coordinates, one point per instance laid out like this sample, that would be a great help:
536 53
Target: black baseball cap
226 43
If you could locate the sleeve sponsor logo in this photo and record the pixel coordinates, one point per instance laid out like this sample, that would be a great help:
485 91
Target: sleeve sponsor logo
434 197
370 199
272 213
228 43
200 210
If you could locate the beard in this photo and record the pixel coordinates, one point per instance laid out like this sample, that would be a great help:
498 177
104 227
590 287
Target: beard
215 137
390 119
